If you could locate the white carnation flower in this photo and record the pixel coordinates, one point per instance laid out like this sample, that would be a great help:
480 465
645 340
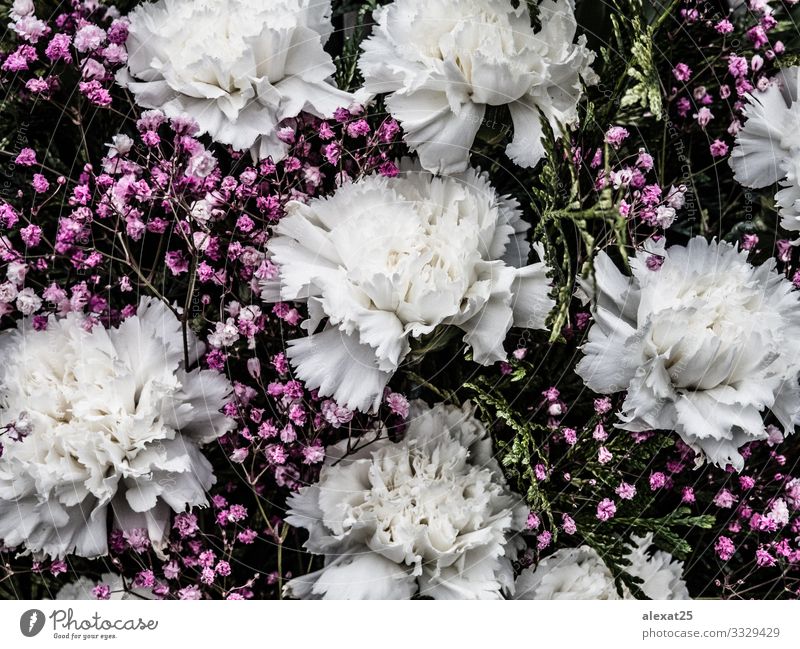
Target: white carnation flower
238 67
114 422
445 61
568 573
430 515
703 345
385 260
82 587
767 149
580 573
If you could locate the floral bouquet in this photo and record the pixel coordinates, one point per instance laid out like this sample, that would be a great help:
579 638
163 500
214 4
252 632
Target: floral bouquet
400 299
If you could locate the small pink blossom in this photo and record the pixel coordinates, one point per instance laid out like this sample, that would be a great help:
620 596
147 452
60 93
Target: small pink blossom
606 509
26 158
682 72
625 491
724 548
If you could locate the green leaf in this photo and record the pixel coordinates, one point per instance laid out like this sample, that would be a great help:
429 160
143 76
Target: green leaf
646 92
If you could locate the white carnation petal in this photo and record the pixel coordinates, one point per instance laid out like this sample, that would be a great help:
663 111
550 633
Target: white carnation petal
526 148
759 151
338 365
385 260
367 576
441 138
699 352
459 56
532 302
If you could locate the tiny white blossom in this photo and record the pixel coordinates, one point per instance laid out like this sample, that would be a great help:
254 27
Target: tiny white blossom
224 334
779 512
16 272
28 302
8 292
22 8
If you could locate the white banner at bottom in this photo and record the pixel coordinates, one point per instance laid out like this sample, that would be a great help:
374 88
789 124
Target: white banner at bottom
389 625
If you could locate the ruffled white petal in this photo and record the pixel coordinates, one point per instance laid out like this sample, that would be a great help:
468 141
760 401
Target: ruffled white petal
767 149
441 136
337 365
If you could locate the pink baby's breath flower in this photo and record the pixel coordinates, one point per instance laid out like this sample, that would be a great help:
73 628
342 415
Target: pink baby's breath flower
602 406
682 72
398 404
40 184
239 455
719 148
137 539
764 559
657 480
606 509
144 579
189 593
177 262
31 235
543 540
749 241
171 570
724 499
313 454
388 169
186 524
89 38
568 524
654 262
704 117
26 158
724 26
625 491
58 567
247 536
358 128
101 592
616 135
276 454
724 548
